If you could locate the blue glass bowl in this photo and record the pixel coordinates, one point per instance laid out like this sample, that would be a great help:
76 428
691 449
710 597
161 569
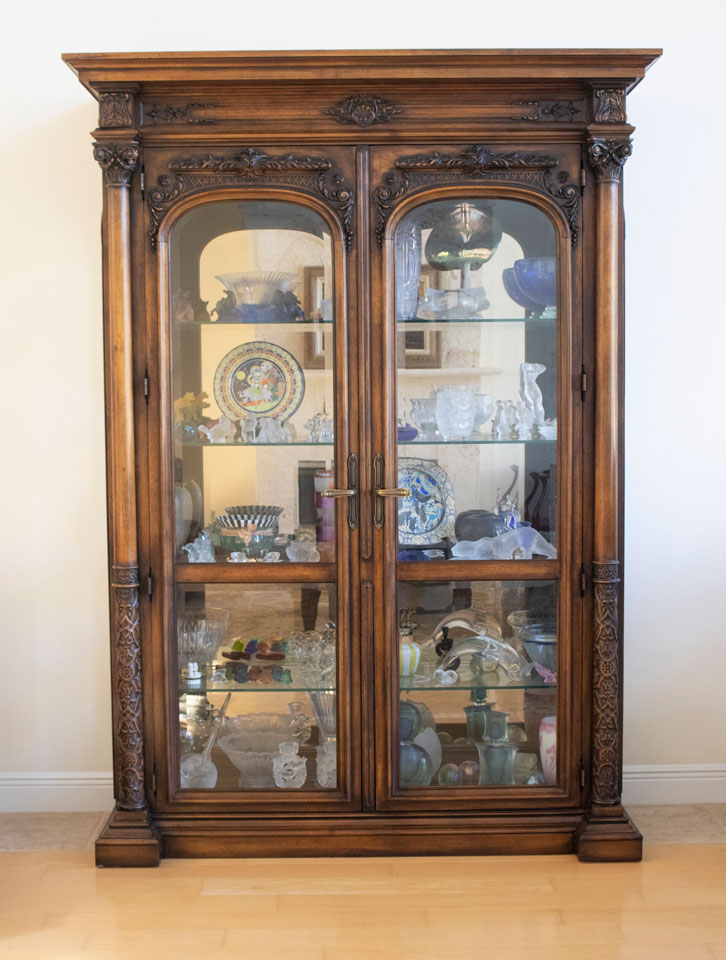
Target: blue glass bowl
537 279
512 288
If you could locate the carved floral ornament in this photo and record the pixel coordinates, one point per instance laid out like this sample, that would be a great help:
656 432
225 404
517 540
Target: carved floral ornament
363 110
608 157
551 110
477 163
118 161
251 165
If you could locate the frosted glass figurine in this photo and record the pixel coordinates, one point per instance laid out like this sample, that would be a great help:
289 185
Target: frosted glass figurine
201 551
222 432
248 428
272 431
504 420
484 409
288 769
325 766
525 421
519 544
529 391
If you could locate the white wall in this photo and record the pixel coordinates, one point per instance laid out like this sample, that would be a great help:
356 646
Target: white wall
55 749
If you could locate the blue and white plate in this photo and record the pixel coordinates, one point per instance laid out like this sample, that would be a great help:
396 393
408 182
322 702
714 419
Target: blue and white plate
428 514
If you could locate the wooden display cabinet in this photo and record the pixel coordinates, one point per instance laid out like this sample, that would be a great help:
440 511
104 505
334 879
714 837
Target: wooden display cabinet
381 293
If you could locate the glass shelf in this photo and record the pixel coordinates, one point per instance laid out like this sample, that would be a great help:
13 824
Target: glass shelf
285 325
253 686
448 320
500 683
251 446
470 440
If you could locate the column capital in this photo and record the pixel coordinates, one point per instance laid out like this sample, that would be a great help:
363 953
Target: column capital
117 160
607 157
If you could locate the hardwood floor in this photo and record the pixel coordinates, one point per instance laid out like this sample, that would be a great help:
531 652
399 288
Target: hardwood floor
55 905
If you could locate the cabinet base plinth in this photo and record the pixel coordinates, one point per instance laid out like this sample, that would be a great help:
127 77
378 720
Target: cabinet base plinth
128 840
608 839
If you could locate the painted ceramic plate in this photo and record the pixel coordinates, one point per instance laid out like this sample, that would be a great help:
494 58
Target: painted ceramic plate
427 516
259 379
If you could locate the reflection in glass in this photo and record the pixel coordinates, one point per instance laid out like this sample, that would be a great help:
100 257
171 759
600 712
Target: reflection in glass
252 336
478 701
257 673
476 343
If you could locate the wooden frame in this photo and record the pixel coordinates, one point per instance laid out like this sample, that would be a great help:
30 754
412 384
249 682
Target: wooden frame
367 135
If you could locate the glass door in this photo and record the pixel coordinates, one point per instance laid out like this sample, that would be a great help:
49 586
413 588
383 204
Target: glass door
264 499
478 628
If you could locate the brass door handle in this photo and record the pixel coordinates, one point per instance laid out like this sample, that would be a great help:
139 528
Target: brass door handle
379 513
351 492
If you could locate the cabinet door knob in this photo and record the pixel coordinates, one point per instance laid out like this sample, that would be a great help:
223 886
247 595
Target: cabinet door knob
333 494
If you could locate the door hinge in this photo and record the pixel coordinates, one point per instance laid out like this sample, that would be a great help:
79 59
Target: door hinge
149 584
583 383
583 177
146 386
153 779
583 581
142 182
581 768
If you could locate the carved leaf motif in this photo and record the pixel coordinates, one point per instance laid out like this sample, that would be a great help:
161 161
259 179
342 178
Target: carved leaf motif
363 110
474 161
117 160
251 164
610 106
605 720
127 664
568 196
167 113
159 199
114 110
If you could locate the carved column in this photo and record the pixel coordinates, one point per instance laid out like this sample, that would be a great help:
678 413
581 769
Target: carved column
608 834
127 838
607 158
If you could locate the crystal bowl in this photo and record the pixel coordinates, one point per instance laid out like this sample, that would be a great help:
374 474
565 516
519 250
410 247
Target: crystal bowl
199 633
255 767
537 279
257 287
266 731
251 515
540 643
512 287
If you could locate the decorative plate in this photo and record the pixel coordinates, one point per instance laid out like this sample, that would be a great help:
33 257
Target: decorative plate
259 379
427 516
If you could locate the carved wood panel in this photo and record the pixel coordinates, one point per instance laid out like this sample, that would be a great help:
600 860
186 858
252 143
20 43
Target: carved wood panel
128 701
315 174
479 164
605 686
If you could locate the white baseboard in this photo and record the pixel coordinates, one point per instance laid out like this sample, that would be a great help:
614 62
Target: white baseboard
61 792
675 783
42 792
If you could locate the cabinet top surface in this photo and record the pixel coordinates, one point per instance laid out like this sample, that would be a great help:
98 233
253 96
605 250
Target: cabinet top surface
96 70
